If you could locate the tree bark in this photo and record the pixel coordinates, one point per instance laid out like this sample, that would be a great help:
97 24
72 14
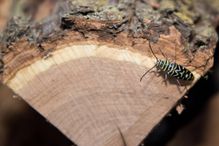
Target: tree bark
80 67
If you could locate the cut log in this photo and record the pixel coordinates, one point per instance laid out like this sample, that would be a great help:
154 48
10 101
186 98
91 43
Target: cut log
84 76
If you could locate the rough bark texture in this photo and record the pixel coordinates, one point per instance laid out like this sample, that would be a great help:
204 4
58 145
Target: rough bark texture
80 67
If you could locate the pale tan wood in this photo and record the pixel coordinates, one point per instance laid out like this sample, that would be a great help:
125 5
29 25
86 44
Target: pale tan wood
88 91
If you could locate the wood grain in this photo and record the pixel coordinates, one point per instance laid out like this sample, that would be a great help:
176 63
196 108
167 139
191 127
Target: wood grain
80 66
98 90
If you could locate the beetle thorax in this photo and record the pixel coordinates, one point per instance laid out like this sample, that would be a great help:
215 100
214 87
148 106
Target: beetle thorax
159 63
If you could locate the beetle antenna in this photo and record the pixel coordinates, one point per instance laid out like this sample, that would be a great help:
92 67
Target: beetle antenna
146 73
152 50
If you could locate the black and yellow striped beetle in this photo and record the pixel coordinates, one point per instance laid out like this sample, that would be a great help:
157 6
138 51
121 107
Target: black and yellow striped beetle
171 69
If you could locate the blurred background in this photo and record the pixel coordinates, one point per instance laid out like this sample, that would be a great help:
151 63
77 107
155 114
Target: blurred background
20 125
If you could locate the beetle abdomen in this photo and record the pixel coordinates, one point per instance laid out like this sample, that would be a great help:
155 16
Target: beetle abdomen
175 70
